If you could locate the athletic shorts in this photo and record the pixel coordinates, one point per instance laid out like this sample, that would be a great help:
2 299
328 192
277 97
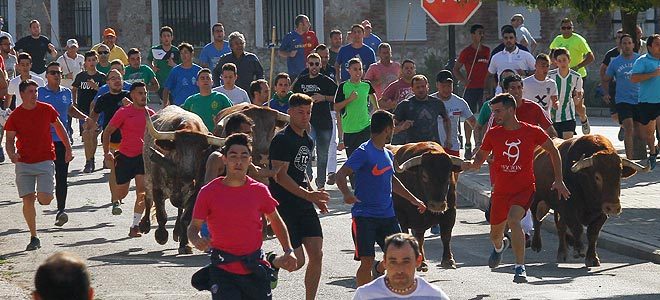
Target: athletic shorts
612 106
367 231
648 112
502 203
226 285
474 98
301 223
626 111
41 174
126 168
566 126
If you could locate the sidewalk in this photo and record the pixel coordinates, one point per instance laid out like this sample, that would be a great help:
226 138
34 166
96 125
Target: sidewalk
636 232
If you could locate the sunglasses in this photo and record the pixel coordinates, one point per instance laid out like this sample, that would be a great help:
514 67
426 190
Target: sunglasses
314 64
567 27
104 52
54 72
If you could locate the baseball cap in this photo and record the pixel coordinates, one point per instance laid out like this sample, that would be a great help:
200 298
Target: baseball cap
366 23
71 43
109 31
444 76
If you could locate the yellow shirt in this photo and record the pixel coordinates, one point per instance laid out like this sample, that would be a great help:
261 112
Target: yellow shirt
115 53
577 47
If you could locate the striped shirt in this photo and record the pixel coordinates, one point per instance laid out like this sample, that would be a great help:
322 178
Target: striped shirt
567 87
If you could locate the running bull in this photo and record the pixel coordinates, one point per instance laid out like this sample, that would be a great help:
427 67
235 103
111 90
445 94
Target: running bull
430 174
173 147
592 172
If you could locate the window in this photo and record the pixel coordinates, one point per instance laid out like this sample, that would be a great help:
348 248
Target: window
282 15
75 22
4 12
532 17
190 20
397 14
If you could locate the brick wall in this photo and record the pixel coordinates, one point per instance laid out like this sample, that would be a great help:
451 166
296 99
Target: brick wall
131 20
27 10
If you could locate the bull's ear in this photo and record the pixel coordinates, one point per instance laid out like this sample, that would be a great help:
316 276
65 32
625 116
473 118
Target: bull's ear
627 172
165 145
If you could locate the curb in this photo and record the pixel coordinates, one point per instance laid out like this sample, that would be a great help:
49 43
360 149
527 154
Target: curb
479 195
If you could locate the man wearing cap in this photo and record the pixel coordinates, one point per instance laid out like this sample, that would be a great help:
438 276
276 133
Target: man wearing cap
524 36
7 34
370 39
71 62
37 45
457 109
116 52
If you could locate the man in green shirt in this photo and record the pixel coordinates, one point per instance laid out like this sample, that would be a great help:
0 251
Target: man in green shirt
137 72
104 63
206 104
164 57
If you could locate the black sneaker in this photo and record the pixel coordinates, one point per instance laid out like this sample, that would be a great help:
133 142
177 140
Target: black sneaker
622 134
61 219
2 155
34 244
89 166
468 151
374 270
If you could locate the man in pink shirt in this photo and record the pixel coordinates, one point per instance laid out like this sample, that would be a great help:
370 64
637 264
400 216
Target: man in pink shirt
399 90
131 121
384 71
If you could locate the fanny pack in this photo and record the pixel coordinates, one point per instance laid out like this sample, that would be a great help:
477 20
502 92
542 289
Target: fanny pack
255 262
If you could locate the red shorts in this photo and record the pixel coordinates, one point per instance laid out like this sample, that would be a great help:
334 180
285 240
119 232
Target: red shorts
501 204
452 152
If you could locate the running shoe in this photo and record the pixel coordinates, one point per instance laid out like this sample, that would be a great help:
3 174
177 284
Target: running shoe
496 257
622 134
374 270
116 210
520 275
586 129
652 159
435 229
468 151
2 155
89 166
34 244
134 232
61 219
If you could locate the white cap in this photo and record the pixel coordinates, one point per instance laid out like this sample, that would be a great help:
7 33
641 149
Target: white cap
71 43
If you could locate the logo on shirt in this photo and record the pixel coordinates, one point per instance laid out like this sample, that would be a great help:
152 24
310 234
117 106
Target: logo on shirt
310 88
513 154
541 99
378 172
302 158
214 105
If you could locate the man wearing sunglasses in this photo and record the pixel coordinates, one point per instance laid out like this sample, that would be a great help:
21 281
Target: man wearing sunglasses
582 56
110 40
104 59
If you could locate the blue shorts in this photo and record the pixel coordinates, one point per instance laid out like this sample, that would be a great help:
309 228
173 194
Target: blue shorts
368 231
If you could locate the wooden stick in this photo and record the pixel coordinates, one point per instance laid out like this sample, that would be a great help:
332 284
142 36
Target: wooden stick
272 56
405 33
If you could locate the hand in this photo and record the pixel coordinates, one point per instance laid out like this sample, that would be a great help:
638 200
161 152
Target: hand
318 98
561 189
341 146
288 261
69 76
657 72
14 157
352 96
68 155
468 166
320 198
607 98
126 101
350 199
200 243
156 69
421 207
93 84
406 124
293 53
170 62
109 157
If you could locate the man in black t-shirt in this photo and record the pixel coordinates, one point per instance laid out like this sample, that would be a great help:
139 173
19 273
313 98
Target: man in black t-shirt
84 88
290 153
37 46
608 96
322 89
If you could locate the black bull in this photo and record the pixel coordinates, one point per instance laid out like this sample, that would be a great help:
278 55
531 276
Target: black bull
430 174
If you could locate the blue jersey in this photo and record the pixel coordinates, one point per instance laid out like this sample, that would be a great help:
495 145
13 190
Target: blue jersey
294 42
373 41
648 89
210 55
364 53
182 83
621 68
373 170
60 100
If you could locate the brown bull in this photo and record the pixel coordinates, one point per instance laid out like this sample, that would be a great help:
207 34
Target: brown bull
592 172
173 147
430 174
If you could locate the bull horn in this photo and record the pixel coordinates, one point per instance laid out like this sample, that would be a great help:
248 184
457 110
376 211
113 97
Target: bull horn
631 164
582 163
456 161
224 120
283 117
159 135
410 163
215 141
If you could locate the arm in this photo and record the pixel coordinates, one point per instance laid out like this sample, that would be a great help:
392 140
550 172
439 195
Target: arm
11 148
338 72
401 190
107 133
213 165
52 50
261 172
288 261
459 74
193 235
154 85
479 159
605 84
166 97
317 197
472 121
639 77
558 184
342 104
74 95
3 83
64 137
374 102
551 131
342 184
589 58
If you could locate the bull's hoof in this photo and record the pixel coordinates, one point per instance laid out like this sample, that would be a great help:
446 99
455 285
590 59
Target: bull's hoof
424 267
448 264
537 245
145 226
185 250
175 233
562 257
161 235
592 262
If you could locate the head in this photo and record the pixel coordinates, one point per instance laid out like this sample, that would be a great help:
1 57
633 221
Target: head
314 64
503 107
367 27
205 80
53 74
517 20
355 68
138 93
561 57
335 38
104 53
218 31
282 84
627 45
187 52
566 27
229 75
28 90
653 45
382 125
166 35
116 64
506 73
239 123
35 28
324 53
115 81
385 52
259 91
509 37
24 63
477 33
91 60
302 23
300 110
444 82
617 37
72 46
639 32
357 33
134 58
5 44
408 69
62 276
542 65
237 43
514 86
401 258
420 86
109 37
237 154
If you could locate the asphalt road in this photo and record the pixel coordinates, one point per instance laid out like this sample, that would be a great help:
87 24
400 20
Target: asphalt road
139 268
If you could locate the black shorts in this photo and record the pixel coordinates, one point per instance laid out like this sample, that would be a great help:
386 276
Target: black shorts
626 111
566 126
226 285
648 112
126 168
367 231
301 223
474 98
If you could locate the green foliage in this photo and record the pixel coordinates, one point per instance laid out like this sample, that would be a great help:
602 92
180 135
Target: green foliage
590 10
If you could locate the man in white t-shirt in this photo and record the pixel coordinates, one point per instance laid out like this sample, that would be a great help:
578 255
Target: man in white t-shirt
71 62
23 69
457 109
539 87
402 257
229 88
525 38
510 58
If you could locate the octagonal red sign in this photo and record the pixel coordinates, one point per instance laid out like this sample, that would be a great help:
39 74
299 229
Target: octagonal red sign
450 12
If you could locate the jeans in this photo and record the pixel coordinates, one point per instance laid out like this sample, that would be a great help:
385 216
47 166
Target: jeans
332 150
61 174
321 145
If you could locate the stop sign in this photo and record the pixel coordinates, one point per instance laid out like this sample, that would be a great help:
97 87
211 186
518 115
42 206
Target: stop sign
450 12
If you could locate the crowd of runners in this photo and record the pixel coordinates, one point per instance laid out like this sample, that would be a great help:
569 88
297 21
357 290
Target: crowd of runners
346 95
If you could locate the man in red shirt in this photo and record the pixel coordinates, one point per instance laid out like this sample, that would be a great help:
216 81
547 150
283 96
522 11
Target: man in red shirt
238 269
131 122
512 144
30 124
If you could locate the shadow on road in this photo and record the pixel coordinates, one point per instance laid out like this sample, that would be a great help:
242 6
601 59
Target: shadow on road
127 257
12 231
102 179
96 241
82 209
74 229
345 281
637 297
8 203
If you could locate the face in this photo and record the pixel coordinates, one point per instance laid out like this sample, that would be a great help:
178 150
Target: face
117 67
385 54
542 67
229 77
515 89
90 62
355 70
325 56
237 45
135 60
139 96
300 115
246 128
314 66
186 55
5 46
567 28
501 114
305 25
505 75
30 94
282 86
509 40
109 40
445 88
238 159
166 38
401 263
204 81
24 66
104 53
367 29
336 40
515 22
357 34
408 70
627 45
420 88
478 35
218 33
72 49
54 75
265 90
562 61
115 81
35 28
654 48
